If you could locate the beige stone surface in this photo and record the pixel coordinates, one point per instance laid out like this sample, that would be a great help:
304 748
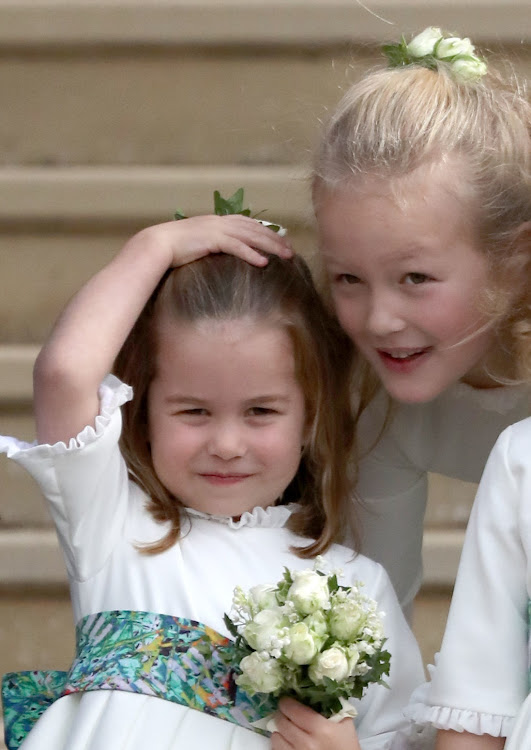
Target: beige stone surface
139 106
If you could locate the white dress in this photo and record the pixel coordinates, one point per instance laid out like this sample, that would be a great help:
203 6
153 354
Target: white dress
452 435
100 516
481 679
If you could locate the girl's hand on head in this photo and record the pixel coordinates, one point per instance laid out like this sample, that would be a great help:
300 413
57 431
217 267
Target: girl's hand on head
187 240
302 728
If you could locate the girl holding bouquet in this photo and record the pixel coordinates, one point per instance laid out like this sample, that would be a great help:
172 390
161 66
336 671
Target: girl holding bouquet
422 195
215 456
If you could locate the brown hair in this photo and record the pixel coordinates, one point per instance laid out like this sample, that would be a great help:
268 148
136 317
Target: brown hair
223 287
396 120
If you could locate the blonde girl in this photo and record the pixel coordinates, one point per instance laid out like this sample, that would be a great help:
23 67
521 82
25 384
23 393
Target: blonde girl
422 195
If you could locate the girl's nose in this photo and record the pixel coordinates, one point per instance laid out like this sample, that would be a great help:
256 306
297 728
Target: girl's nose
227 442
384 316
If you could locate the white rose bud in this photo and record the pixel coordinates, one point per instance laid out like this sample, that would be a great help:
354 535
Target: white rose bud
331 663
353 657
317 624
347 620
260 675
424 43
263 630
469 70
454 45
309 591
263 595
302 646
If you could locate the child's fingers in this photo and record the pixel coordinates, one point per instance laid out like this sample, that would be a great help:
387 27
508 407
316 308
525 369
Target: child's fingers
259 237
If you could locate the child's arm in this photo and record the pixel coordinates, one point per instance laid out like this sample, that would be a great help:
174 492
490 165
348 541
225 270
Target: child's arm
301 728
449 740
91 330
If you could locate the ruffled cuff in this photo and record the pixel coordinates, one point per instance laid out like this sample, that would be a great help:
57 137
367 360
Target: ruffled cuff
112 394
421 712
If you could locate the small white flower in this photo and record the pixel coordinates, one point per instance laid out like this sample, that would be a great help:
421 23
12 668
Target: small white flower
469 70
331 663
309 591
259 675
424 43
454 45
302 645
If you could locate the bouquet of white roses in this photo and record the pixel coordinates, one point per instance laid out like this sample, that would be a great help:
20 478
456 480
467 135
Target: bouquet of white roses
310 638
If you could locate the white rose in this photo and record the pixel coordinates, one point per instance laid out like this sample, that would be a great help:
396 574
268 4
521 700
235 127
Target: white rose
259 675
347 620
424 43
309 591
264 596
454 45
469 70
302 646
264 630
331 663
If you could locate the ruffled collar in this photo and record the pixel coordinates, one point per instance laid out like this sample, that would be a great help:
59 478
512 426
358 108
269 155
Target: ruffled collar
272 517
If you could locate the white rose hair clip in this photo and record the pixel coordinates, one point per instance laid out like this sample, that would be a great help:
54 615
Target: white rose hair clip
432 46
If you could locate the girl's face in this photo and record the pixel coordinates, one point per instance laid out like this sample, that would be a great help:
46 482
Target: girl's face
406 278
226 414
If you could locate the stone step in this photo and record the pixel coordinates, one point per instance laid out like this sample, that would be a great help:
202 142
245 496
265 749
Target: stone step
206 82
248 22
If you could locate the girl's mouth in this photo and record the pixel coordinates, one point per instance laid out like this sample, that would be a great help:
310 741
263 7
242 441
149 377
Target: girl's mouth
224 478
402 360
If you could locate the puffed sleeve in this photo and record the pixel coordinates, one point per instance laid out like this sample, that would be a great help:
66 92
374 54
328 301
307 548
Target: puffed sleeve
381 724
481 677
85 483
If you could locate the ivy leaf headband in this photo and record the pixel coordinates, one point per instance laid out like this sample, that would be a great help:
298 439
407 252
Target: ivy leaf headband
234 205
432 46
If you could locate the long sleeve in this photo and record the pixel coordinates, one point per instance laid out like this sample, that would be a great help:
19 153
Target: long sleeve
481 678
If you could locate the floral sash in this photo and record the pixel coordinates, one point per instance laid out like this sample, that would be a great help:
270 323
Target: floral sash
168 657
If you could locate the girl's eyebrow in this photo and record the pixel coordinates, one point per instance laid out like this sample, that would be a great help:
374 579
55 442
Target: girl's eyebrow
177 398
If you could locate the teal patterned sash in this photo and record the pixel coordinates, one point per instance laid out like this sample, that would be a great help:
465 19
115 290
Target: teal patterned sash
168 657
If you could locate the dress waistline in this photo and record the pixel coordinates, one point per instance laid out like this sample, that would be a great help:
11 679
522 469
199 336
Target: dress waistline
168 657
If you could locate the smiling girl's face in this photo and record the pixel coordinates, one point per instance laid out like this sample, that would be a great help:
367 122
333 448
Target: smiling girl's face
406 278
226 413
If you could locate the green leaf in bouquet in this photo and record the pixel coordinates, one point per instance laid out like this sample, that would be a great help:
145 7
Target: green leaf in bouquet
231 627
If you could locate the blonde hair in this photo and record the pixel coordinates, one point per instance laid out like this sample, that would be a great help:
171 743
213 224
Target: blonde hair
396 120
222 287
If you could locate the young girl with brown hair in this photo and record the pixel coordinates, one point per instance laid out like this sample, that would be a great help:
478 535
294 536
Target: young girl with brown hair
231 465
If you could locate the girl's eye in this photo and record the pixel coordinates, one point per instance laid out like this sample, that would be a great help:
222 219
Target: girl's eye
416 278
197 412
261 411
347 278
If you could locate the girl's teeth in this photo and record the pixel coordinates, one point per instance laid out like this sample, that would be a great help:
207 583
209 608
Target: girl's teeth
405 356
